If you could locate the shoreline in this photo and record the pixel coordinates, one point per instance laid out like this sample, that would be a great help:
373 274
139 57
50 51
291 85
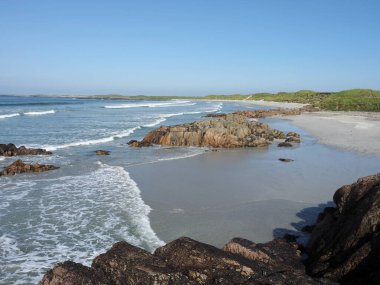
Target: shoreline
183 203
352 131
257 103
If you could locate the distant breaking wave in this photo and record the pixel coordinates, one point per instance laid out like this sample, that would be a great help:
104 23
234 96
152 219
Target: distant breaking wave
164 117
9 115
158 120
36 113
122 134
38 104
32 113
151 105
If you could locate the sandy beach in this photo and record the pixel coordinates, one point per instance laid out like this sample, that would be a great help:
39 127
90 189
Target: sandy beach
249 193
353 131
260 103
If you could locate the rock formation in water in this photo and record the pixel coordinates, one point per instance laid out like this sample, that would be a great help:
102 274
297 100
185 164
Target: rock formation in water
102 152
345 243
230 131
12 150
20 167
284 144
293 137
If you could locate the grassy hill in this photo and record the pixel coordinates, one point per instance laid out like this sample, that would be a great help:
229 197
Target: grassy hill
348 100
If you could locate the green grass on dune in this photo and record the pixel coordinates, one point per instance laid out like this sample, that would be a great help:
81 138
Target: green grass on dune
347 100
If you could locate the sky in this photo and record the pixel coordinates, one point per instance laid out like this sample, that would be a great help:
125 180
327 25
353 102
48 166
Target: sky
193 47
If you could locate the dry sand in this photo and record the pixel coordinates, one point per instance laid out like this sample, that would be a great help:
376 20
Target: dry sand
261 103
353 131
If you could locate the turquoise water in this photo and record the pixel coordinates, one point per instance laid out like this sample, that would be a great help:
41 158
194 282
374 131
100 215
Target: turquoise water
91 202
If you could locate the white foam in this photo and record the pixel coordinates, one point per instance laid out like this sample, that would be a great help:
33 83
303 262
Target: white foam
150 105
155 123
162 118
9 115
122 134
187 155
76 218
38 113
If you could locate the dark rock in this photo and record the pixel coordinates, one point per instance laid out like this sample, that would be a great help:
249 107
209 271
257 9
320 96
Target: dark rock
135 143
345 243
71 273
12 150
285 159
102 152
308 228
127 264
284 144
219 115
241 262
20 167
187 262
293 137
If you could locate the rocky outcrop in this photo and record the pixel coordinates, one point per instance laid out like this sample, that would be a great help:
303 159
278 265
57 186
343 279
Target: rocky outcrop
284 144
186 262
20 167
293 137
136 143
229 131
12 150
127 264
345 243
71 273
102 152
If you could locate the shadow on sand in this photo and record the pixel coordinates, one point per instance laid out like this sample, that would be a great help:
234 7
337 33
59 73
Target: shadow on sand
309 217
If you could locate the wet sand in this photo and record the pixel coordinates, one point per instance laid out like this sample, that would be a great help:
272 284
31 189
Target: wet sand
353 131
249 193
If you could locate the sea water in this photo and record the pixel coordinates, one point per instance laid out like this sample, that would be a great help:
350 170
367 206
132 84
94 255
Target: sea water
91 202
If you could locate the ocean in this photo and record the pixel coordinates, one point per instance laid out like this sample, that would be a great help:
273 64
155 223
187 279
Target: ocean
91 202
146 195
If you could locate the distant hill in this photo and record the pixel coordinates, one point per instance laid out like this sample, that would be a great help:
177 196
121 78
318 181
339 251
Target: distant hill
347 100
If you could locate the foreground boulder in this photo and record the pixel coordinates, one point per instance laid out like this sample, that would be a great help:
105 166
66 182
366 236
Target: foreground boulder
186 262
345 243
72 273
229 131
20 167
12 150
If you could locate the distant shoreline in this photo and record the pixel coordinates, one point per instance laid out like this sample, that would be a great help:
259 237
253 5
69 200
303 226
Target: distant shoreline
347 100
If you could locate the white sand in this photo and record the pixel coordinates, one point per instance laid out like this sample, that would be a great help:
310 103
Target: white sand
354 131
260 103
274 104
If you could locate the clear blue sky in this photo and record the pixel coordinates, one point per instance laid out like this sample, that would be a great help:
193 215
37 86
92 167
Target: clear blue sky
193 47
